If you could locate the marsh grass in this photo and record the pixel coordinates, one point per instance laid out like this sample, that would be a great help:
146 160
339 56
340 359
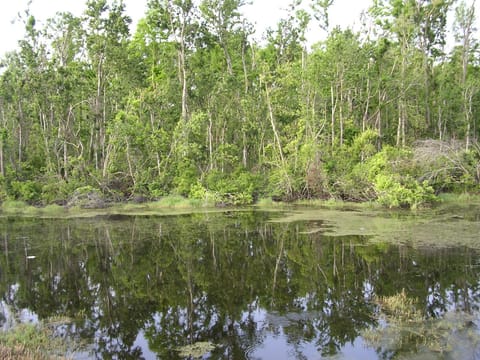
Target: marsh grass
269 203
463 198
165 205
400 307
31 342
13 206
52 209
178 202
20 208
407 331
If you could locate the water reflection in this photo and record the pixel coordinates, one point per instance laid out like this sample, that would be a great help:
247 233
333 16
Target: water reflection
139 286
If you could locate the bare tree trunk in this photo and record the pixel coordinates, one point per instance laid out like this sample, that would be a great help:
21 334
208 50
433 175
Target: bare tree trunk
332 115
401 124
20 133
129 161
183 72
272 123
277 140
210 141
228 59
157 154
341 113
2 166
367 105
244 118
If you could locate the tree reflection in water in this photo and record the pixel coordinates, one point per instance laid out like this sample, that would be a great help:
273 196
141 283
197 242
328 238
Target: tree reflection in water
237 281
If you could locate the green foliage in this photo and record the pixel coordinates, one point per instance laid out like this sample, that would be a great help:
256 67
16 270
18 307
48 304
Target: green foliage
350 168
364 145
389 177
199 192
3 189
55 190
190 98
28 190
395 192
13 206
237 188
186 177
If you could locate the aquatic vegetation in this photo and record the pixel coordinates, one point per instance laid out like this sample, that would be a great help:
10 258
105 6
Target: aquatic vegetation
31 341
406 331
400 307
196 350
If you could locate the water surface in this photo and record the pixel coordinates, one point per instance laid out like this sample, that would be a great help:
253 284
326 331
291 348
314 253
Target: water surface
241 285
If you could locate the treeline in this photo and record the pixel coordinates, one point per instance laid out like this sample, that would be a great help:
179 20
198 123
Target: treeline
191 104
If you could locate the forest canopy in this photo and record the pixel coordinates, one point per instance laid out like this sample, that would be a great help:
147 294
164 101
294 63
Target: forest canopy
191 104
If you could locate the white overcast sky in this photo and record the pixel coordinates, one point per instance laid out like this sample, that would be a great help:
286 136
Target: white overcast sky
262 13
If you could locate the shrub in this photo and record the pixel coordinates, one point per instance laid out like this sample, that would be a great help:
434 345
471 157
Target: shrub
390 177
186 177
29 191
237 188
394 191
198 192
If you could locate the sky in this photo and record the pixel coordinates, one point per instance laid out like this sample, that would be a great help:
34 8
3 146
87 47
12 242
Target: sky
262 13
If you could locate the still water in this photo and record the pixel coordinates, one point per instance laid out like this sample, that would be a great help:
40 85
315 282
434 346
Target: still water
237 285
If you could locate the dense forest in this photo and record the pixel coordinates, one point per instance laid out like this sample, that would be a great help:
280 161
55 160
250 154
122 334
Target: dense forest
192 103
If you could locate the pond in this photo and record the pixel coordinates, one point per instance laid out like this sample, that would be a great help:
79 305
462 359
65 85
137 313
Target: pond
249 284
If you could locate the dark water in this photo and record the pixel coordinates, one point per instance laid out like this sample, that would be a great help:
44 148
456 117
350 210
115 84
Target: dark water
143 287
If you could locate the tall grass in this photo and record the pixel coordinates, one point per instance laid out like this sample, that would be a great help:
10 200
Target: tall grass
180 202
15 207
31 342
452 198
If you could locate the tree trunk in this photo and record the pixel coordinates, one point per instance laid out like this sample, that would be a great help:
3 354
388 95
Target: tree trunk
183 72
332 114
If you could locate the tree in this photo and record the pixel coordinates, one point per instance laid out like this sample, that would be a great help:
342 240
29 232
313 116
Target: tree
464 29
106 43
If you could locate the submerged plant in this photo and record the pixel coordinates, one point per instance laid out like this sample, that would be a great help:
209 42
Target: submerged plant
406 331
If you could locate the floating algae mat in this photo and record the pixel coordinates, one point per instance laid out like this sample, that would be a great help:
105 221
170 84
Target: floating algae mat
422 228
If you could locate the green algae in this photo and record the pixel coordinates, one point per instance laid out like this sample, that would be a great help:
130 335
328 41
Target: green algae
446 226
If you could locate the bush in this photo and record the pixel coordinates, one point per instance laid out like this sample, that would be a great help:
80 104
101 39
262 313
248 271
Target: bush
394 191
87 197
58 191
186 177
29 191
390 177
198 192
237 188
